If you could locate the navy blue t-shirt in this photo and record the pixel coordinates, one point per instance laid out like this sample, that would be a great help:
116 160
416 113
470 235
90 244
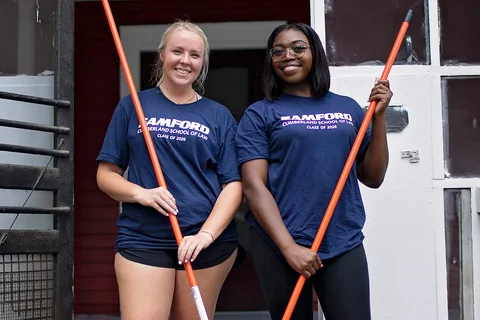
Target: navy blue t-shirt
307 142
195 144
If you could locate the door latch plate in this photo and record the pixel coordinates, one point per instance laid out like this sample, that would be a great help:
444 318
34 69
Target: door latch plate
411 154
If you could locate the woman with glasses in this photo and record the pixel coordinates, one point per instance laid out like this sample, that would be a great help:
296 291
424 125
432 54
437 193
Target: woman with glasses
291 148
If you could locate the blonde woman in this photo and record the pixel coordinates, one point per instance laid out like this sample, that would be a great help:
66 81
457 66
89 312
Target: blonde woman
194 139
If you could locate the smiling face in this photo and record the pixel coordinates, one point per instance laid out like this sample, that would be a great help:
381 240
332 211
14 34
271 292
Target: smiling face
182 58
294 66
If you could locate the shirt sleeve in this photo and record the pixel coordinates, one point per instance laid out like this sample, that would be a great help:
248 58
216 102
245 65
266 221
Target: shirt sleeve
227 169
115 144
252 138
362 151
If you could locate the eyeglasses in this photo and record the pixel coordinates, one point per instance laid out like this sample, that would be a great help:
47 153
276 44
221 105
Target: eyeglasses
297 50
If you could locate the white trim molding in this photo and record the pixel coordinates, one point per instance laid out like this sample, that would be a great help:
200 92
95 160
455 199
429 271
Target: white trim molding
317 19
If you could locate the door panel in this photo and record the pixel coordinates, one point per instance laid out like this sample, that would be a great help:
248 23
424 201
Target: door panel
393 211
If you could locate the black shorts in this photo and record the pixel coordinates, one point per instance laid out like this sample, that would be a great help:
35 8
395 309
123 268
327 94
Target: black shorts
215 254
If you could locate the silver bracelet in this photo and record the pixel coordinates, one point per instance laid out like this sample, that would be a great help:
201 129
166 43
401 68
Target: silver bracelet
211 235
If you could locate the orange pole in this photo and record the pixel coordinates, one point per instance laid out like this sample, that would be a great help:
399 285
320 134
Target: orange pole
153 155
348 165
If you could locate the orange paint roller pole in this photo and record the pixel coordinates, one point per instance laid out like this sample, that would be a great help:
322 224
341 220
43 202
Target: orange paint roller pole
153 155
348 165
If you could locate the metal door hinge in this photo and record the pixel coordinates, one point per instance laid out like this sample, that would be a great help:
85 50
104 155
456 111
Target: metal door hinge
412 154
477 199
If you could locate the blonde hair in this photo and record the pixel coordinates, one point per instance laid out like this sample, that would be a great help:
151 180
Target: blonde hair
198 84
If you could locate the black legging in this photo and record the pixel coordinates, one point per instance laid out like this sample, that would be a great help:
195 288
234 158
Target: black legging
342 285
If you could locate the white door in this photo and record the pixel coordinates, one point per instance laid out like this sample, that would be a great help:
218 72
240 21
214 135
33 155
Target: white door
423 224
400 228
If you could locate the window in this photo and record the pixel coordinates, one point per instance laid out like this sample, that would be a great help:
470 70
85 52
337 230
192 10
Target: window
459 24
461 126
363 32
459 256
27 29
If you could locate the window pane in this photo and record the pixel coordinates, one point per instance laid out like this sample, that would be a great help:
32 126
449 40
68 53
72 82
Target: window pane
453 254
27 29
459 256
461 118
459 25
363 32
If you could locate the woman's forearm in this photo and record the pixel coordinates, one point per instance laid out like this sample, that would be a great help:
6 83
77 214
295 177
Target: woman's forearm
374 166
225 208
117 187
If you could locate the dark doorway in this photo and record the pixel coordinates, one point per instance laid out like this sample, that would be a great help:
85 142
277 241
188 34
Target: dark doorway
234 80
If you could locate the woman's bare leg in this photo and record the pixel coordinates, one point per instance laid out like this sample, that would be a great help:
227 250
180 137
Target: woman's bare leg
209 280
146 292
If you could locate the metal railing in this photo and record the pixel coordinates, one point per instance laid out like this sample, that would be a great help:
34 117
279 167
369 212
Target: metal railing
36 266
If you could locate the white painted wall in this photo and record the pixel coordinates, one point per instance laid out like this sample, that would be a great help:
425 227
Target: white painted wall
40 86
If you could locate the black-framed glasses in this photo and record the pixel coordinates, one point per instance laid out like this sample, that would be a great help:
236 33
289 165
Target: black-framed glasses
297 50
